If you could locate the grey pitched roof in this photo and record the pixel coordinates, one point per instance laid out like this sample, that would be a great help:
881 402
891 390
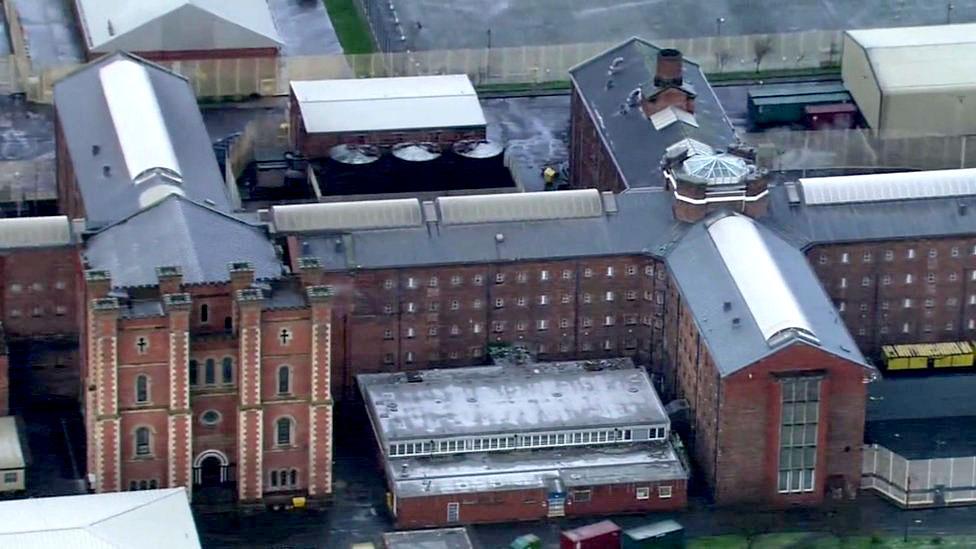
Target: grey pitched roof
177 25
636 147
87 122
642 224
706 284
177 231
805 225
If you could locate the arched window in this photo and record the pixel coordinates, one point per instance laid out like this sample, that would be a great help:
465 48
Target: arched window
143 485
204 313
284 380
143 447
193 371
227 370
293 479
210 372
274 478
142 388
153 484
283 431
228 324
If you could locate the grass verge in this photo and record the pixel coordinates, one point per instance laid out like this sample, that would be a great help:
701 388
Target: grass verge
827 541
350 26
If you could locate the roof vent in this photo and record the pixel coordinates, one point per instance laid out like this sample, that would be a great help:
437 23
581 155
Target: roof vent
615 65
736 322
634 97
95 150
499 238
107 170
727 306
792 194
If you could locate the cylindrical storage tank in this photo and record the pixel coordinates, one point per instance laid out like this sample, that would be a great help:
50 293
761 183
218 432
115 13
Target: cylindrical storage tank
349 169
419 164
479 164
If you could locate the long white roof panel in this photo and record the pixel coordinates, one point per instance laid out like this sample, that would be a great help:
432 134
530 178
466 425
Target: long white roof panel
376 104
29 232
138 120
881 187
759 280
537 206
912 59
347 216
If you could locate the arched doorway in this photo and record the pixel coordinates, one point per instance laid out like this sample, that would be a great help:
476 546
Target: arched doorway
210 471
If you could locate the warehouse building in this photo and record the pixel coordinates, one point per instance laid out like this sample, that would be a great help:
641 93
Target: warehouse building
913 80
442 110
178 30
502 443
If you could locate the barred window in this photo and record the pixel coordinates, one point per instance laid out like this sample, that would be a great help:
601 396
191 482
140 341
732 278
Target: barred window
798 433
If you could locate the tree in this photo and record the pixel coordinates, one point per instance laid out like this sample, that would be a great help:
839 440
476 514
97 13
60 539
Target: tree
761 47
722 56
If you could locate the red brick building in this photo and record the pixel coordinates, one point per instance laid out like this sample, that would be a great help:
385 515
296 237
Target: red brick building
525 442
440 109
178 30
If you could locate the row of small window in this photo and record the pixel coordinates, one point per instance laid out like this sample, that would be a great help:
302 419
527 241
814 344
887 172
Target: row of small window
283 478
135 485
547 440
35 287
641 492
543 300
906 327
907 303
284 436
608 345
520 277
889 255
59 310
282 377
497 326
908 279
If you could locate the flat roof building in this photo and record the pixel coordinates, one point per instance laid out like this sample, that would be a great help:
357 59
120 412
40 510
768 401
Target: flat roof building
440 109
548 439
441 538
913 80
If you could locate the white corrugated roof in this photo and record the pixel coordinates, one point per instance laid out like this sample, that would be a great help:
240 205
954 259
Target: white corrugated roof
376 104
138 120
538 206
11 454
882 187
173 25
345 216
151 519
907 59
757 277
29 232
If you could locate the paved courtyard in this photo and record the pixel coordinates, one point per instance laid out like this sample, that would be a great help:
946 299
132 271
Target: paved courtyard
436 24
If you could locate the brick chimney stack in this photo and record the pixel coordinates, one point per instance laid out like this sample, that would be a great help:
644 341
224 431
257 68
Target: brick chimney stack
670 68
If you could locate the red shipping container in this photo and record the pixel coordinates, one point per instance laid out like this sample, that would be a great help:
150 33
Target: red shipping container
602 535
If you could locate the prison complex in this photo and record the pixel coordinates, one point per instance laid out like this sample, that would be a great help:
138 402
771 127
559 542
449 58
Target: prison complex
214 341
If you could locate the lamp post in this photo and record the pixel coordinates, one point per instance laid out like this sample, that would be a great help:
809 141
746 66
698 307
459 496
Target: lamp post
949 8
718 24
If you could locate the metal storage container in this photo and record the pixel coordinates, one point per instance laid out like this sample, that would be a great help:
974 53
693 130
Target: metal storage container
602 535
